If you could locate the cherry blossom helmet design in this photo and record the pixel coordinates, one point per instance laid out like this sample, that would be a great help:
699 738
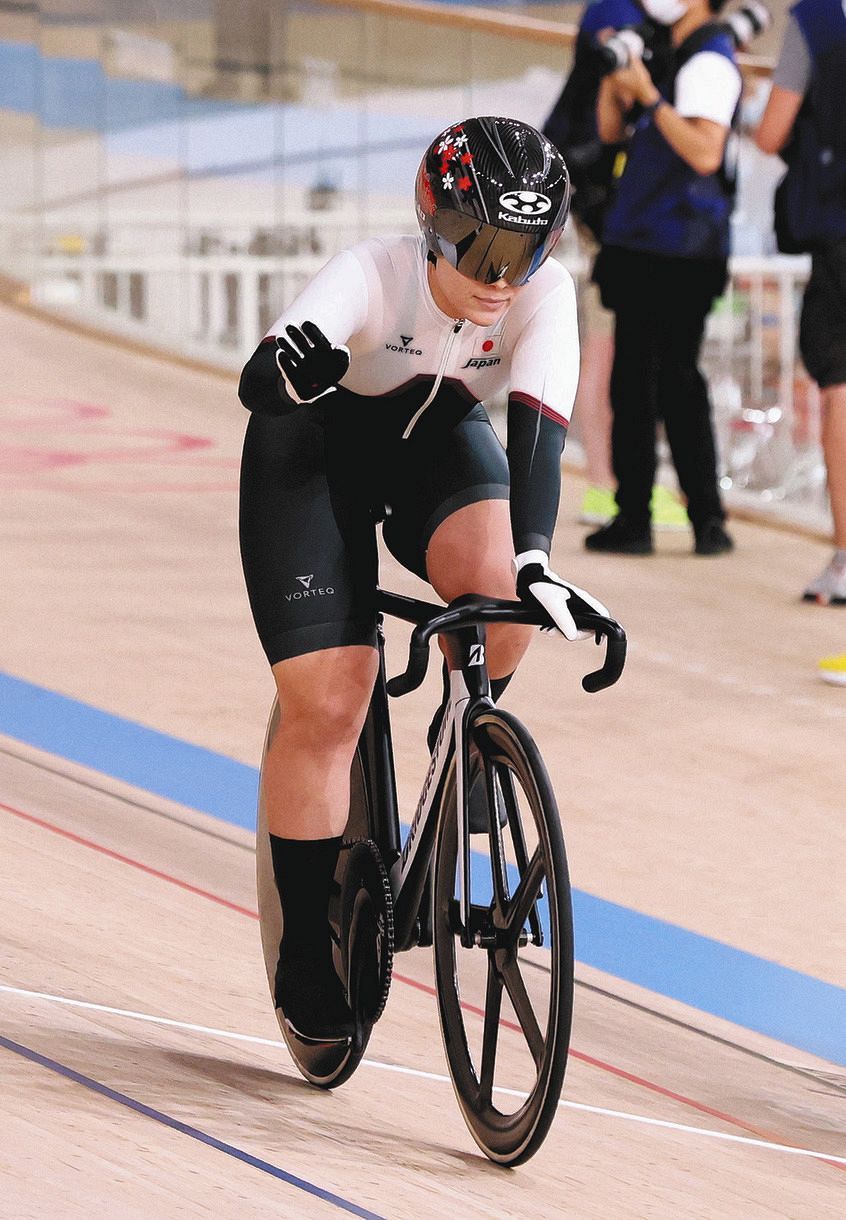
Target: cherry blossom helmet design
493 196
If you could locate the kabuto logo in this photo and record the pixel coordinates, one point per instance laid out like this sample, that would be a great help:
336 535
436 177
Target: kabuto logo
525 203
406 349
307 590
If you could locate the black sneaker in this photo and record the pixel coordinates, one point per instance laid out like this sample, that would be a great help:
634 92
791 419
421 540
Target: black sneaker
620 538
313 1002
712 539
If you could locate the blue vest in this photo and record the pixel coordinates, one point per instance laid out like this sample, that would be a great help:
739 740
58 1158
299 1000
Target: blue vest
663 206
814 191
610 14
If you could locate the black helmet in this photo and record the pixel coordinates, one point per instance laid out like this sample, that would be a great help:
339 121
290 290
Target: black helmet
493 196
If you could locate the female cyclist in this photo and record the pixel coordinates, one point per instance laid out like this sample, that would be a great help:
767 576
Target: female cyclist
366 400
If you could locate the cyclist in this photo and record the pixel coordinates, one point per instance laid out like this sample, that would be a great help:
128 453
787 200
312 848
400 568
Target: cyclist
366 400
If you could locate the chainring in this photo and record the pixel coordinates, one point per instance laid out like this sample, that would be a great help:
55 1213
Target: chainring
366 930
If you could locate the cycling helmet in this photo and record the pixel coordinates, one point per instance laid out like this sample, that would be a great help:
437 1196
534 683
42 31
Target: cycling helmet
493 196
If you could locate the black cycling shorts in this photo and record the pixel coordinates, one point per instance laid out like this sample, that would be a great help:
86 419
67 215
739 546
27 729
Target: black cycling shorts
314 484
822 330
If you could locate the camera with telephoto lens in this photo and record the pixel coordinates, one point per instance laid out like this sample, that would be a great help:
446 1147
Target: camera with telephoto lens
747 22
637 41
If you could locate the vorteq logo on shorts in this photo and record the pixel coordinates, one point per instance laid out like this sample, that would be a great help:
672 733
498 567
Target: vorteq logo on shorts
307 590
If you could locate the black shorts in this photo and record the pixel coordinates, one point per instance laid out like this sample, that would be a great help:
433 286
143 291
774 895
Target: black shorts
822 330
315 483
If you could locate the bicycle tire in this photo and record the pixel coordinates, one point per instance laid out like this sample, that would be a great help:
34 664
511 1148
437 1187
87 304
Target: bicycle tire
503 746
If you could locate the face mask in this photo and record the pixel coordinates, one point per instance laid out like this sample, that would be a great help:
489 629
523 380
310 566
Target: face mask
665 12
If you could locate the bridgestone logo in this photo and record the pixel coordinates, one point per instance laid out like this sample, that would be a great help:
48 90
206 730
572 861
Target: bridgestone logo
481 362
403 351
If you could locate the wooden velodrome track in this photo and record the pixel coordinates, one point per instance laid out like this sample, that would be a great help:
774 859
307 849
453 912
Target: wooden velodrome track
142 1071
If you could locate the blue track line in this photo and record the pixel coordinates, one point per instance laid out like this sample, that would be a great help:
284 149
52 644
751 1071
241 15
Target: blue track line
202 1137
697 970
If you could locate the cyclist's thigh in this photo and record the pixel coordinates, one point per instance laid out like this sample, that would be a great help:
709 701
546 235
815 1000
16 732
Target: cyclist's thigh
308 548
465 466
472 552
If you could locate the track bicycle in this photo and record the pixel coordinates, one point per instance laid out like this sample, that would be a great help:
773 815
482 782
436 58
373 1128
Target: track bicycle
491 902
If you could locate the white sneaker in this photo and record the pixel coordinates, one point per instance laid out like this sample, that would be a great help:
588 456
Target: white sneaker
829 589
833 669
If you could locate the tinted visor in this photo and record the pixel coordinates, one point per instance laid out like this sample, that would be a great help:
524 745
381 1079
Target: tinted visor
486 253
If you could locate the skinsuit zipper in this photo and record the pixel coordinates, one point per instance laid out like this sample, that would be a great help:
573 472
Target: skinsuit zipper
450 340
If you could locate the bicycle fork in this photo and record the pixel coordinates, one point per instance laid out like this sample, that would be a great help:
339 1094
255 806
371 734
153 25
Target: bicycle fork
469 683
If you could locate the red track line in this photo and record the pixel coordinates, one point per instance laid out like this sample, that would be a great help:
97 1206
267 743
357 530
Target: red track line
624 1075
701 1107
115 855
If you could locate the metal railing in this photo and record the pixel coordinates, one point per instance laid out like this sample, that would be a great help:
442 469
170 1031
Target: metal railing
193 226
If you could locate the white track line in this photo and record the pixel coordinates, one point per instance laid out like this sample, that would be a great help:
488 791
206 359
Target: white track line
704 1132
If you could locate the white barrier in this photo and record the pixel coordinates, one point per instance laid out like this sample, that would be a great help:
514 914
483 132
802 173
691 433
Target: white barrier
211 293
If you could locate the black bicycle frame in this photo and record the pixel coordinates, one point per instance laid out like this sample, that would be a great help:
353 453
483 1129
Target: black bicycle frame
462 625
407 862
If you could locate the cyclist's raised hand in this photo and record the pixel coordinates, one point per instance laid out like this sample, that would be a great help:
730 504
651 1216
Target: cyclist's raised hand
537 585
310 365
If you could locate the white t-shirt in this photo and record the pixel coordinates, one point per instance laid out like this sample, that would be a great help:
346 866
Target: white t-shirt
708 87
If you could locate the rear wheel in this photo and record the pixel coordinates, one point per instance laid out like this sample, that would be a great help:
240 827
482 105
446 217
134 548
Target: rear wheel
360 926
505 1003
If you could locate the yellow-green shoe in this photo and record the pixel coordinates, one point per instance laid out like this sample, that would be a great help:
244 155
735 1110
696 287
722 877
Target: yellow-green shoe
833 669
667 511
598 506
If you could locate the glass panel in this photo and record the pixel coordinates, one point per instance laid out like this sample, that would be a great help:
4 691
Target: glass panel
179 169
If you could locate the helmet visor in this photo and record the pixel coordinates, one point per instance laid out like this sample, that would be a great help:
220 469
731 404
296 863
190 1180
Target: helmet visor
486 253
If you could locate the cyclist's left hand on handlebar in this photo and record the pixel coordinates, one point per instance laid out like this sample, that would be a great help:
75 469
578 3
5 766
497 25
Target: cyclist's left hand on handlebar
536 584
310 365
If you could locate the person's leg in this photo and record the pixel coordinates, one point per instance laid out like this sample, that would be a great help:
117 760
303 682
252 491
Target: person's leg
310 581
632 435
685 407
592 407
822 340
451 525
834 450
829 588
323 700
472 552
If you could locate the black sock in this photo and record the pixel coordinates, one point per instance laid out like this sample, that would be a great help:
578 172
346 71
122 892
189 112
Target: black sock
498 686
304 870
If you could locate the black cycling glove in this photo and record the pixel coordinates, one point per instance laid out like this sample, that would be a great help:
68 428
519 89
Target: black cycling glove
310 365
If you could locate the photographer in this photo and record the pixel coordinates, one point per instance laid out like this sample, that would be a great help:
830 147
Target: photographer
571 127
663 261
